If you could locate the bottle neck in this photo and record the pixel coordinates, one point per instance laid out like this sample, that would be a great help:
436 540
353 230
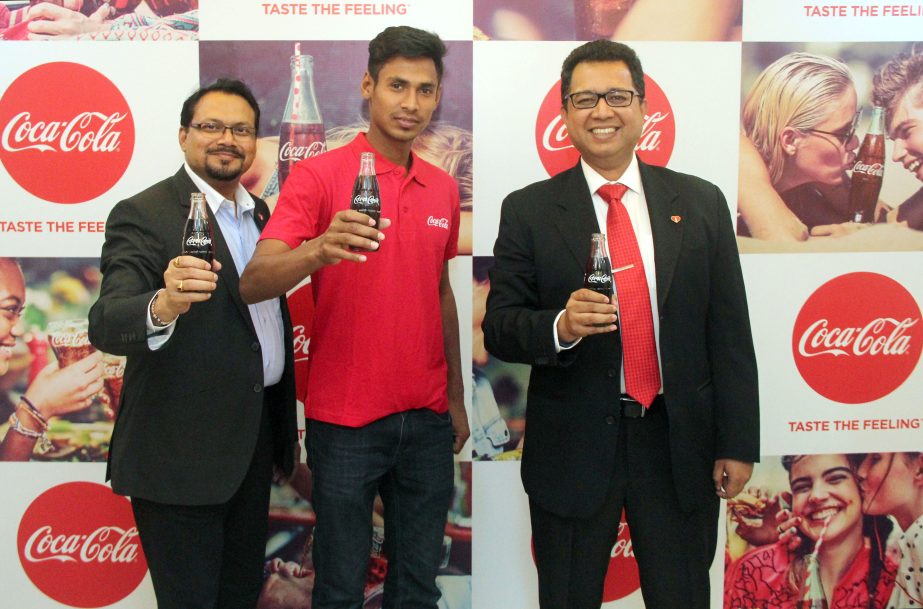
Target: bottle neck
876 124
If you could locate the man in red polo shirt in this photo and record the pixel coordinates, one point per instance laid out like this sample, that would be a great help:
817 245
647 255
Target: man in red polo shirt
385 405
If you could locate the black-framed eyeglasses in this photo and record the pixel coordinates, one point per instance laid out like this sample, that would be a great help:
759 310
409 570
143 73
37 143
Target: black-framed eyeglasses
843 135
217 128
616 98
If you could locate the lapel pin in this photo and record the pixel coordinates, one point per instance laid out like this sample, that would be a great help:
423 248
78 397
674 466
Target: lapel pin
260 216
676 219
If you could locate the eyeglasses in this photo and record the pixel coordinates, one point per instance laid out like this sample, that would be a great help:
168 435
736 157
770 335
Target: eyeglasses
217 128
843 135
616 98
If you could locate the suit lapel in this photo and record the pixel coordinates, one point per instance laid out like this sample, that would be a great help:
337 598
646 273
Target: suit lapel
228 272
577 220
666 211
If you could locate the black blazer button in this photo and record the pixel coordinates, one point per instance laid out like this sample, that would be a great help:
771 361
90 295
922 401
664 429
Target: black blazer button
257 387
612 373
610 420
255 345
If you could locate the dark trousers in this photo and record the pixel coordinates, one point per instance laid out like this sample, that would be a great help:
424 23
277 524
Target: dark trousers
210 556
407 458
674 549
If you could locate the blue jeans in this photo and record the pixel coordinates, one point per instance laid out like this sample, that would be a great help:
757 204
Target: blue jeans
406 458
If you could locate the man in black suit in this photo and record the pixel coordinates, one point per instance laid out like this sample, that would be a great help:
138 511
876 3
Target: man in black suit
597 440
208 407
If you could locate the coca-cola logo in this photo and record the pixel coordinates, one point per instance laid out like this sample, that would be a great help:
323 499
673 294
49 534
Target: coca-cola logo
599 278
198 241
362 201
301 308
66 132
857 338
291 152
655 146
438 222
79 545
622 576
875 169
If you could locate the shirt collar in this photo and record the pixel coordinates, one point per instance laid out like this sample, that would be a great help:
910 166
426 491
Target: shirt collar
630 178
382 165
215 199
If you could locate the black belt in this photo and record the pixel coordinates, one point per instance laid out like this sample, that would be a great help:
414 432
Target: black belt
633 409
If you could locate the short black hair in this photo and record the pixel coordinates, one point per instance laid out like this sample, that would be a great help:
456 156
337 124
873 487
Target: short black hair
231 86
602 50
404 41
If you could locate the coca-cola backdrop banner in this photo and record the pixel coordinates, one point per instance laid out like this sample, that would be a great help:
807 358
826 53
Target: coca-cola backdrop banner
770 100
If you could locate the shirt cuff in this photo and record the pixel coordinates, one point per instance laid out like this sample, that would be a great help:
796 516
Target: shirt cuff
558 345
157 336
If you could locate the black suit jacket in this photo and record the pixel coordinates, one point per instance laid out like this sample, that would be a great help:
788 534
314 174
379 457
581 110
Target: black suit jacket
709 368
190 411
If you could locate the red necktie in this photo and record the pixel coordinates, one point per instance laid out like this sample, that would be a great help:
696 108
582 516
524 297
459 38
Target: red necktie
639 352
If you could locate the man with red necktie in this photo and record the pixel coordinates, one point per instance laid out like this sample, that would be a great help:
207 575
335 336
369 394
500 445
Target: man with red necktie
648 403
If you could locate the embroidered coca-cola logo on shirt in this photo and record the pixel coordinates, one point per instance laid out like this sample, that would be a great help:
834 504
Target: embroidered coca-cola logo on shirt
857 338
66 132
79 545
658 133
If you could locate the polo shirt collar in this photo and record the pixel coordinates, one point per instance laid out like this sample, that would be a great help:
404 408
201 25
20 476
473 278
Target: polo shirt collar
382 165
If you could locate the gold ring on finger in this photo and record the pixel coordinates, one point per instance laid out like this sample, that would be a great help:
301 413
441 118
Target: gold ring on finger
180 286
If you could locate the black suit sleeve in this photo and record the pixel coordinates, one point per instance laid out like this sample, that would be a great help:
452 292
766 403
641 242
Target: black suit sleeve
518 324
132 263
730 348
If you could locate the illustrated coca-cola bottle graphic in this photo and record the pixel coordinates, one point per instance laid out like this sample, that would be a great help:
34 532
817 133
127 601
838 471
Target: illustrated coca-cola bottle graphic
868 172
366 198
812 593
302 132
598 18
598 274
197 236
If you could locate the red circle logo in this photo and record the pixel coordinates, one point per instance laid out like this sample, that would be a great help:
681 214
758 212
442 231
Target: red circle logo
79 545
658 134
857 338
622 576
66 132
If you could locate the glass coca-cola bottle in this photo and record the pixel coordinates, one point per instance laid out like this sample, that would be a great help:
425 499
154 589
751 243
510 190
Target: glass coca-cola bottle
302 132
812 593
868 172
598 274
197 236
366 198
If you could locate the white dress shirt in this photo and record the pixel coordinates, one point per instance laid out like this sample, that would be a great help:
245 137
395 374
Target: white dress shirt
636 206
241 233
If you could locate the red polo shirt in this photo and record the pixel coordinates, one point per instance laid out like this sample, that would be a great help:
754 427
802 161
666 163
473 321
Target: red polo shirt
377 343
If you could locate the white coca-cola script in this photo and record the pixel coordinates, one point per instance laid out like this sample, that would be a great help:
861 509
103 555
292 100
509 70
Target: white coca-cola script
360 201
290 152
105 544
93 131
301 343
875 169
555 137
439 222
881 336
198 241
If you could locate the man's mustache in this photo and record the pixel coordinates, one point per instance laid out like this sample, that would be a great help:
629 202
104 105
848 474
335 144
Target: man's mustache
227 149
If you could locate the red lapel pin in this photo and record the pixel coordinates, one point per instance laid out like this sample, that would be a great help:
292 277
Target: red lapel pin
676 219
